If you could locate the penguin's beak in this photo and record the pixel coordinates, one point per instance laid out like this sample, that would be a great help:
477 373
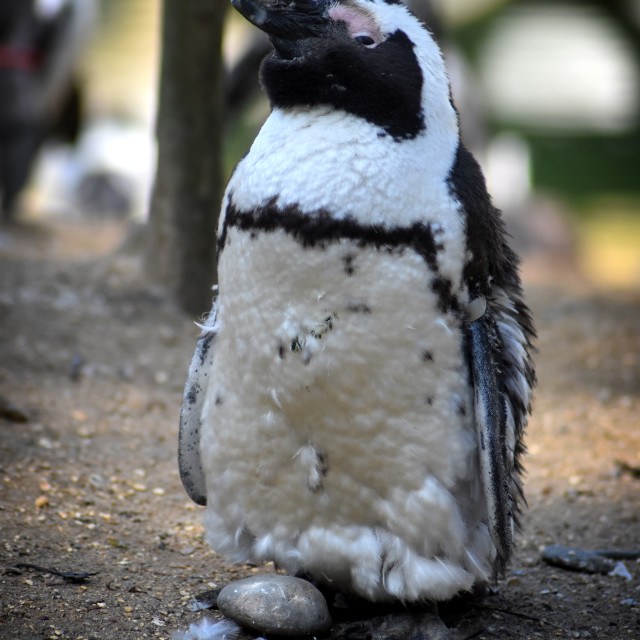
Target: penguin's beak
285 19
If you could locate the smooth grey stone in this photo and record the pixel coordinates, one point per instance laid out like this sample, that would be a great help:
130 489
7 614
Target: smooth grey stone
277 605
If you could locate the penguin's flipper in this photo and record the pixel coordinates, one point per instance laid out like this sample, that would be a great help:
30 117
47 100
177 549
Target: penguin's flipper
490 414
190 414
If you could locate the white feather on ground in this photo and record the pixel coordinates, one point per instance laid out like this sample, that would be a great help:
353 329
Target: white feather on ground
209 630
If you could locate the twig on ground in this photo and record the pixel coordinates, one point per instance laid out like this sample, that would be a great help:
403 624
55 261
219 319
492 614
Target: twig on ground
71 576
524 616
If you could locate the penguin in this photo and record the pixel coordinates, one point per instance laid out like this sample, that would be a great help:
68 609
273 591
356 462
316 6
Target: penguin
356 404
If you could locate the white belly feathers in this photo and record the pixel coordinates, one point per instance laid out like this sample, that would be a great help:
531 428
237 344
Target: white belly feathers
337 432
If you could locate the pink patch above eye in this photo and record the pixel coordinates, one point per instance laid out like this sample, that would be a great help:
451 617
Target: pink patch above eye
357 22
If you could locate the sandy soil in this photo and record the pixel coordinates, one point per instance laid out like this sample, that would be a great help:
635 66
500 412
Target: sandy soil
94 359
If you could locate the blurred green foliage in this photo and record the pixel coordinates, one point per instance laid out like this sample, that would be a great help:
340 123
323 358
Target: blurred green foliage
580 167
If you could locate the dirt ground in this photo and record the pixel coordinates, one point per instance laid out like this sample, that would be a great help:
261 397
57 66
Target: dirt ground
94 359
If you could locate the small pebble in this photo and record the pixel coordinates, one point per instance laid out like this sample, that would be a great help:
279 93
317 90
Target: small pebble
275 604
96 481
10 411
205 600
41 501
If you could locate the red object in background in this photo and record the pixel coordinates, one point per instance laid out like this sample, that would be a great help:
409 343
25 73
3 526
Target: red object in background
22 58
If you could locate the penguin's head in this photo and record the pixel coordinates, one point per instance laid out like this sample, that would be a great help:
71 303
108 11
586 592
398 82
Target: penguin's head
370 58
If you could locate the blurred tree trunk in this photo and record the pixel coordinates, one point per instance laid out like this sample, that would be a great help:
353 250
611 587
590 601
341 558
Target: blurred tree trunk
186 197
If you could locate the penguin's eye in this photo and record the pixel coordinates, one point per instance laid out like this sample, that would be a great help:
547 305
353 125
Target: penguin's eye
364 39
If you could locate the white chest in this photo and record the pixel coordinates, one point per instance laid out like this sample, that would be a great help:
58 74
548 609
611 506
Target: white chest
326 159
339 399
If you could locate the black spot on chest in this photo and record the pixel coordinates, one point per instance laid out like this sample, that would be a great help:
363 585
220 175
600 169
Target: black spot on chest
427 356
358 307
348 262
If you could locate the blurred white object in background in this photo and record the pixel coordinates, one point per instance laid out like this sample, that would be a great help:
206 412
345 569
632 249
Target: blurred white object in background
508 170
114 160
560 67
108 173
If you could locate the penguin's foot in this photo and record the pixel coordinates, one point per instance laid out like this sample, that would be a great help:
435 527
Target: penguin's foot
406 625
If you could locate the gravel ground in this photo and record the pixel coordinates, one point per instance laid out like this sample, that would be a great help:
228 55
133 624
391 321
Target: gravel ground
92 363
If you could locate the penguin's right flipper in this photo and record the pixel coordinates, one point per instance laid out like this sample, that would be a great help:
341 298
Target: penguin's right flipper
503 379
491 426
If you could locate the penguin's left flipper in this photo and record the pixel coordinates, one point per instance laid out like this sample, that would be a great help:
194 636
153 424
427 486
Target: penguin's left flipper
490 413
190 414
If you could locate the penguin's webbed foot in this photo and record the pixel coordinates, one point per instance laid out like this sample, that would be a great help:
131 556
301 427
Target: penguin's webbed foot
398 626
